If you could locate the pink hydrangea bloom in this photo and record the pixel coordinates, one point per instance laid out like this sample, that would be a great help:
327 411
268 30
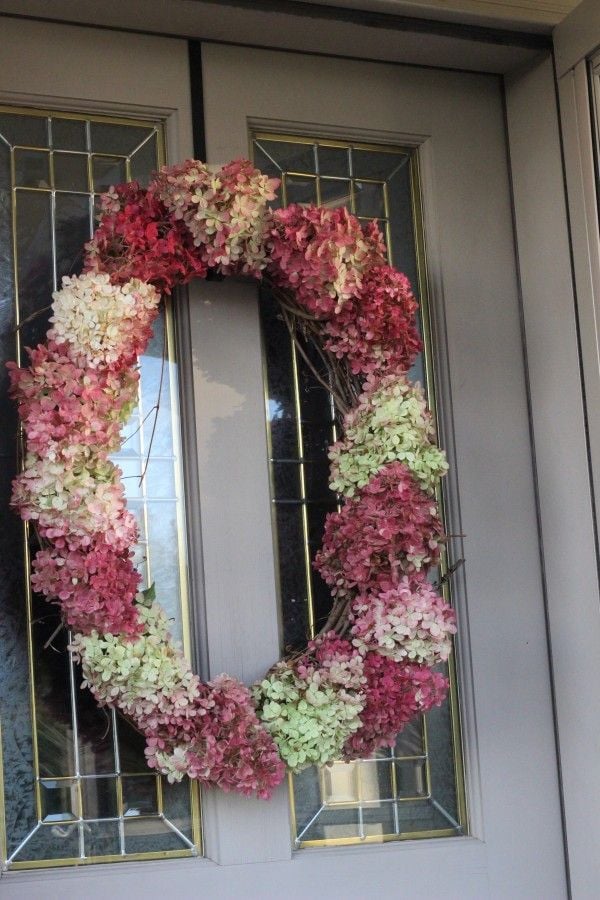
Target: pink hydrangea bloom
138 238
71 505
409 622
331 659
322 255
376 329
69 409
224 209
95 587
395 693
388 528
231 749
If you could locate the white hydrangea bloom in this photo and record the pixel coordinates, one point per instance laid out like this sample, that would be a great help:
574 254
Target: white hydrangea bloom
100 321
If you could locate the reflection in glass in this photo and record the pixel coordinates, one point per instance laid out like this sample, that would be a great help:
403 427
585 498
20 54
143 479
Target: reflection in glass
70 171
74 773
108 170
412 789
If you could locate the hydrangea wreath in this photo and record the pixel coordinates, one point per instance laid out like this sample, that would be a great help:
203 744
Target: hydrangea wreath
370 670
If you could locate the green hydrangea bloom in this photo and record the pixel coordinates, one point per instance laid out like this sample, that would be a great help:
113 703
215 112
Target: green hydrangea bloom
391 423
143 675
309 718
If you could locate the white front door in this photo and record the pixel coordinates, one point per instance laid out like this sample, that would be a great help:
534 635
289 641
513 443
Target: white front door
512 844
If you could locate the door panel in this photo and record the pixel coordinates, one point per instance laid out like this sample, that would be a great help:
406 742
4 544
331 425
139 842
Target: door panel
456 122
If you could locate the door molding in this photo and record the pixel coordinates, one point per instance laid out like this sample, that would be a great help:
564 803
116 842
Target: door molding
557 409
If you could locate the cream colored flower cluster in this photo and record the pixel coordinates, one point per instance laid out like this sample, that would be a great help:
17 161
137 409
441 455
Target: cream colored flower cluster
105 323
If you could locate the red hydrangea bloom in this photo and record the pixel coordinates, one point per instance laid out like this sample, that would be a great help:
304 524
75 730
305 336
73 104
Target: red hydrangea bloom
68 408
95 588
394 694
321 254
227 746
376 329
390 527
138 238
332 660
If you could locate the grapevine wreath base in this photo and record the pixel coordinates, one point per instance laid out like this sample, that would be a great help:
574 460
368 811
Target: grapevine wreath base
370 670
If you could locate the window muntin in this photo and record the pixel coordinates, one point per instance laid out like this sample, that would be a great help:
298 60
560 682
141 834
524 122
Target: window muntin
416 788
76 785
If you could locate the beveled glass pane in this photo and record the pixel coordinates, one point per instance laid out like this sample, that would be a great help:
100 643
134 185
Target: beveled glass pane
266 163
60 800
27 131
176 806
8 338
131 749
35 272
96 739
70 172
334 161
5 175
410 741
335 192
54 718
411 778
32 168
286 480
68 134
101 839
376 163
144 160
140 796
52 841
300 189
108 171
162 552
369 199
99 797
116 138
72 230
289 155
151 835
292 576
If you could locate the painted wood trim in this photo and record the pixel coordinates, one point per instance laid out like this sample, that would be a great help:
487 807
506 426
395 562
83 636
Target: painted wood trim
270 23
577 36
566 516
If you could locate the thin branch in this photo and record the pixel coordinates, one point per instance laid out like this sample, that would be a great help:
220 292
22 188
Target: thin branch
156 406
56 631
339 401
140 426
30 318
451 571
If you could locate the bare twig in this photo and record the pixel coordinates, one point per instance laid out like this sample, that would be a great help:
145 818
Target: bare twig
56 631
156 407
30 318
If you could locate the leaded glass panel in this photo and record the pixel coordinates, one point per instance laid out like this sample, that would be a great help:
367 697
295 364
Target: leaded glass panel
76 785
415 788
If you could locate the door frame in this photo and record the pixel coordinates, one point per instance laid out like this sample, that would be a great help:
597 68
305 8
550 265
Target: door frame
575 622
566 531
